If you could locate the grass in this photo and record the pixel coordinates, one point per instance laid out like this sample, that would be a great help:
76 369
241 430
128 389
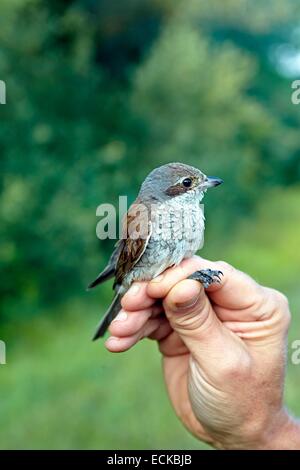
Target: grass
61 391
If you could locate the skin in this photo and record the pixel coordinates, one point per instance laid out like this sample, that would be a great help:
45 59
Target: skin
224 352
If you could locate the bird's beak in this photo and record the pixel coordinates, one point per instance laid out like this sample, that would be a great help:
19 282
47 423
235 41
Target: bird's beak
211 182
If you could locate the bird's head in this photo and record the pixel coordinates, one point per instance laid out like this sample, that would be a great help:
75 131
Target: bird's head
177 179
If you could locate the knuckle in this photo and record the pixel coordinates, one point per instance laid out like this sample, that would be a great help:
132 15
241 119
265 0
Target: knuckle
224 266
274 304
287 318
192 322
281 305
149 328
282 299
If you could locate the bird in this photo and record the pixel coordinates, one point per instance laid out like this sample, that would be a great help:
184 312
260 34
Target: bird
163 226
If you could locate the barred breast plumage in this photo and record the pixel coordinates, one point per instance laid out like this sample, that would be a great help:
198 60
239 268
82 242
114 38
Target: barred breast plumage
177 233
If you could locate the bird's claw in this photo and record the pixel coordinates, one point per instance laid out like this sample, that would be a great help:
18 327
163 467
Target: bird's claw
207 277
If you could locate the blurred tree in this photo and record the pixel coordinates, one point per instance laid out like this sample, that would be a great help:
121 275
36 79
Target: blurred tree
209 94
100 92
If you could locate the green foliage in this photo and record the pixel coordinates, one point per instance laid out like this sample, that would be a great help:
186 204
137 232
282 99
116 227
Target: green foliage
275 230
84 124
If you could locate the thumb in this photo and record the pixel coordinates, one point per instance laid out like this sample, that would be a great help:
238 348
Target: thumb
191 315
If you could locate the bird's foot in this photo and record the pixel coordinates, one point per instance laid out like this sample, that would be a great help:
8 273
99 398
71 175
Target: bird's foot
207 277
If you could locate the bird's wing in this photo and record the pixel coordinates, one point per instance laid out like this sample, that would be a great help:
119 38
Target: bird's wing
136 232
133 247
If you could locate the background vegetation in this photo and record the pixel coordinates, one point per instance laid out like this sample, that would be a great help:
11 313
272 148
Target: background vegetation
99 93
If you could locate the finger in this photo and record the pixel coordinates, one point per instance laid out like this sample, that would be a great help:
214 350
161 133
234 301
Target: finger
241 299
274 323
116 344
235 293
237 290
159 287
137 298
164 329
248 330
172 345
130 323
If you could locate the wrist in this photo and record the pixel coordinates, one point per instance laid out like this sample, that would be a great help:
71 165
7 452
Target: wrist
284 434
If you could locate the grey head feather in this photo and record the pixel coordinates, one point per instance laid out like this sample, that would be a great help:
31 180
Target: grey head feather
160 179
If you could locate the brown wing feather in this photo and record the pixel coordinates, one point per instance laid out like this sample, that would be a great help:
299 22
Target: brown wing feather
134 244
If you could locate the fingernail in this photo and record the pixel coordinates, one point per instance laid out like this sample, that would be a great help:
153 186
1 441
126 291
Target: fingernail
122 316
189 303
134 289
158 278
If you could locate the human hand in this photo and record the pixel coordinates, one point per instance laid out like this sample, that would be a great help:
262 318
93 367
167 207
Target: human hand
223 353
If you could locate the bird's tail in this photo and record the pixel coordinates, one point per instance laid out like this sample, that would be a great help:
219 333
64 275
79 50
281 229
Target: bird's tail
110 314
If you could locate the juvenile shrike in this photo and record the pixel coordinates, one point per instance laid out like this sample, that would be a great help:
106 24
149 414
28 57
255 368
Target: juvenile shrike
163 226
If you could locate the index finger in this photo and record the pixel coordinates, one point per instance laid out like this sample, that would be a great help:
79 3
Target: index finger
236 290
137 298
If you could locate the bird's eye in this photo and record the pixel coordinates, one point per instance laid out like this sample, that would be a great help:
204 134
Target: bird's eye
187 182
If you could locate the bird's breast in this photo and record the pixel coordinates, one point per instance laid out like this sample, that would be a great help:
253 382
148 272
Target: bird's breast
177 233
179 223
